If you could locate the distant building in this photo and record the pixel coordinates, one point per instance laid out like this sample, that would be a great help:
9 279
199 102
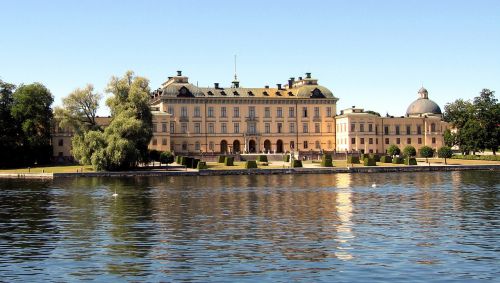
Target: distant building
357 130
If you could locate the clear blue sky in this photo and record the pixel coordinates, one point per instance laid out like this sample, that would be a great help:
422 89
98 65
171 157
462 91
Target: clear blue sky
372 54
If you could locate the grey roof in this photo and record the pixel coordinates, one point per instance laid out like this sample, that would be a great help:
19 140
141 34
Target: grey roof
423 106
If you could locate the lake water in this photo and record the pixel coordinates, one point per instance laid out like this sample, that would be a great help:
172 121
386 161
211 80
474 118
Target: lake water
439 226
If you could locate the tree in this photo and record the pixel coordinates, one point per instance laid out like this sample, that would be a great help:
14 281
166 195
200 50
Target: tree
445 152
458 113
471 137
79 110
31 111
426 151
487 113
166 157
393 150
373 112
450 139
409 151
9 132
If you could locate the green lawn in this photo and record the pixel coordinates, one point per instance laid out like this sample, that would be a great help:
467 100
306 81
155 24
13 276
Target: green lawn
50 169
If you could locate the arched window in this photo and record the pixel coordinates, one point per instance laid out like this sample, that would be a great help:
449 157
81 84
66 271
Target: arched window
317 145
433 127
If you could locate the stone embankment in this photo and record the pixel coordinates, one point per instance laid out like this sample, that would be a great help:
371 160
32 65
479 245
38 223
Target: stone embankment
259 171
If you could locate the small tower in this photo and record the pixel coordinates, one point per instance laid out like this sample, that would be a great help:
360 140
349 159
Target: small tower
235 83
423 93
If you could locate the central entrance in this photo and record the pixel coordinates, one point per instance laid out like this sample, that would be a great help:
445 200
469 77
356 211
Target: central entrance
223 146
236 146
252 146
267 146
279 146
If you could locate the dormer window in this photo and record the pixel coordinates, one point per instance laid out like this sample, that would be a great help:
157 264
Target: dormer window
235 93
265 93
250 93
290 93
222 93
210 93
278 93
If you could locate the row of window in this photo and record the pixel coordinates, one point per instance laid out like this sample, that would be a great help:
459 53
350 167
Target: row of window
252 128
397 128
387 140
211 145
251 112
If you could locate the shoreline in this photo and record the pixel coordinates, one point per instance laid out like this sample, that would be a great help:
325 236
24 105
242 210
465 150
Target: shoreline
257 171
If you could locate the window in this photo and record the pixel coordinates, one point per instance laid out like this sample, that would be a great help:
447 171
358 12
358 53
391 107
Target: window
252 128
211 146
280 127
184 128
386 140
328 111
279 112
210 128
353 140
386 130
304 112
292 127
164 127
210 112
197 146
329 127
419 140
305 128
398 141
419 129
370 127
61 142
433 127
292 144
223 128
433 140
251 111
329 144
397 129
317 145
267 112
376 141
236 112
362 140
197 128
184 146
316 128
154 127
305 145
155 142
316 112
223 113
172 127
370 141
353 127
291 112
236 128
361 127
184 112
163 141
267 128
170 110
197 111
408 129
408 141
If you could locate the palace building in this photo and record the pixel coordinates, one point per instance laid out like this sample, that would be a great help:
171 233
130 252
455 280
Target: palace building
366 132
296 116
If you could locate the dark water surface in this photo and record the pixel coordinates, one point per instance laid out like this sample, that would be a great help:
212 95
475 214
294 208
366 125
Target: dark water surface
310 228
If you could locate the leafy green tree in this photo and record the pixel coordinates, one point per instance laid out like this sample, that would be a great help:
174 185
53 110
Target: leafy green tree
166 157
487 113
9 132
445 152
79 110
458 113
409 151
471 137
393 150
31 110
426 151
450 139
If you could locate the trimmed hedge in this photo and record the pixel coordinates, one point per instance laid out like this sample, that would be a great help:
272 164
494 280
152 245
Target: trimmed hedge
326 160
477 157
201 165
374 156
352 159
398 160
195 163
229 161
297 163
178 159
286 158
386 159
250 164
222 159
262 158
369 162
410 161
187 161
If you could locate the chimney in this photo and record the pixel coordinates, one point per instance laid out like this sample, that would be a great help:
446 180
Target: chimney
266 86
290 83
179 73
216 85
279 86
169 78
300 78
308 75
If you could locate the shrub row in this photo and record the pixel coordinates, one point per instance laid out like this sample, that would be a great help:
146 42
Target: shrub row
369 162
398 160
386 159
477 157
410 161
250 164
352 159
297 163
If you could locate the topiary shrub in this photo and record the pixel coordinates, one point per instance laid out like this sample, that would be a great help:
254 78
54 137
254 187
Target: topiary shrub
166 157
445 152
409 151
297 163
262 158
398 160
352 159
222 159
369 162
187 161
178 159
229 161
250 164
195 163
326 160
286 158
410 161
201 165
386 159
374 156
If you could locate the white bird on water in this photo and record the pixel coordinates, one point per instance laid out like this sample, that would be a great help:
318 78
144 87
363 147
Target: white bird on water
115 194
374 185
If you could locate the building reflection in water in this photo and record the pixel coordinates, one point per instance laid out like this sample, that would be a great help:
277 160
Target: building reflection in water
344 213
